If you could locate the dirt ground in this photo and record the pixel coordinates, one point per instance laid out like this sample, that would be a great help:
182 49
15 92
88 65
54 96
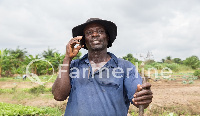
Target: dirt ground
166 94
176 96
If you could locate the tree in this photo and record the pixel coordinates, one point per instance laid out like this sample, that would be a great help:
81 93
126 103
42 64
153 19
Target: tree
177 60
5 65
19 54
163 60
1 60
17 57
35 65
130 58
56 60
49 53
168 59
192 61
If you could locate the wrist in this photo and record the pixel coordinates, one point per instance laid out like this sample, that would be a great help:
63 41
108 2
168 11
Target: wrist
67 60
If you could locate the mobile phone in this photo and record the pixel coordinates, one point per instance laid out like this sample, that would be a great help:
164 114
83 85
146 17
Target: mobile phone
82 42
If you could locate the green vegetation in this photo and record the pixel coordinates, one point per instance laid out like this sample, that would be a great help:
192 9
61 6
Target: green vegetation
197 73
43 78
20 95
192 61
39 90
34 90
15 110
13 65
14 62
130 58
176 64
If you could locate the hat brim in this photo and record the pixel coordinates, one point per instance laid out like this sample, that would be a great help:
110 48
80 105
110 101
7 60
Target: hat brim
109 26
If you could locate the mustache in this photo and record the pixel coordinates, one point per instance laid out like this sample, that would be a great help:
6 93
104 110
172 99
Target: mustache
95 38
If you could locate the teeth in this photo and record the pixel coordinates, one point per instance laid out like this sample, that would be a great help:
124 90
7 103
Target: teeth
96 42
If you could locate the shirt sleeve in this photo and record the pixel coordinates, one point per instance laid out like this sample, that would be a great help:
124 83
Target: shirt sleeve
73 64
131 80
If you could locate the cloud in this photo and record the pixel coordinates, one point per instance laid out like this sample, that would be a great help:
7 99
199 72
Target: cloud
166 28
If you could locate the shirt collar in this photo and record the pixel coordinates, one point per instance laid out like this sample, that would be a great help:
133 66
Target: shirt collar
113 61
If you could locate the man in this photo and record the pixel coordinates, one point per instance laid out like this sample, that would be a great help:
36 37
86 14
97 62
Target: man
24 77
98 84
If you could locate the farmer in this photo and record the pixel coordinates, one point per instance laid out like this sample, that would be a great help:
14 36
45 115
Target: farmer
24 77
98 84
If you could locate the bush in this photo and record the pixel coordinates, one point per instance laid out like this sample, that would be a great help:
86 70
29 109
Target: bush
158 66
192 61
197 73
173 66
37 90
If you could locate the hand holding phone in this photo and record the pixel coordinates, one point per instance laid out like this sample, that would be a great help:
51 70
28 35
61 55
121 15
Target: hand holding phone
71 50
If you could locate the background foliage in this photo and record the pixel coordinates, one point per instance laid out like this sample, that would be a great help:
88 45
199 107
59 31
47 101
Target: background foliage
14 62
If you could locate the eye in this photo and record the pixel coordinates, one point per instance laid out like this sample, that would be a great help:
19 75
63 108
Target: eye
89 32
100 31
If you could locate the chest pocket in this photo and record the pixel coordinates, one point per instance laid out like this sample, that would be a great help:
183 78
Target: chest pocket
108 78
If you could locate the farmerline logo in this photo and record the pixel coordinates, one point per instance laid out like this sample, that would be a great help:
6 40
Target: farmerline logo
116 72
33 77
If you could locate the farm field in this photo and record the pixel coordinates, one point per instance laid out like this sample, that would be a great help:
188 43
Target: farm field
178 95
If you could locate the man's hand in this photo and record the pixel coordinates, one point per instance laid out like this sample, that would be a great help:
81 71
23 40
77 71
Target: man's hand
71 51
143 95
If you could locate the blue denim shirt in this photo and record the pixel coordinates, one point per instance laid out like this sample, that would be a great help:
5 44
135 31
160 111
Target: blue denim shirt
106 92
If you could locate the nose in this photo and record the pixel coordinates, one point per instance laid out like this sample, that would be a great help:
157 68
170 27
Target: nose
95 33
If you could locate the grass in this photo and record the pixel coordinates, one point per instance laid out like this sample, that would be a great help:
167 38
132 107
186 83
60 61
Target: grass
34 90
18 109
186 75
20 94
43 78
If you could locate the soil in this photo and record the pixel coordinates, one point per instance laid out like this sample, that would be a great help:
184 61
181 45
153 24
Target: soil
166 94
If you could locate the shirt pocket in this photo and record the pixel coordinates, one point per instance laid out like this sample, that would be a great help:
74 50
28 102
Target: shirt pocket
108 80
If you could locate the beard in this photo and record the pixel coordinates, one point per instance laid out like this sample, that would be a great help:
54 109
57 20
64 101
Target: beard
98 48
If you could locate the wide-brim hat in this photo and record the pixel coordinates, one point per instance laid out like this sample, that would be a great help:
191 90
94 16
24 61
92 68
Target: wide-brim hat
109 26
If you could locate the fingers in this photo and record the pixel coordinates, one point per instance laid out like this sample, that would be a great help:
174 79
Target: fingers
143 98
139 87
73 43
78 48
142 93
146 86
75 40
78 38
71 50
143 86
144 102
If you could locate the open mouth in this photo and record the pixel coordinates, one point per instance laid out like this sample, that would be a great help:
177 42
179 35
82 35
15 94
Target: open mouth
96 42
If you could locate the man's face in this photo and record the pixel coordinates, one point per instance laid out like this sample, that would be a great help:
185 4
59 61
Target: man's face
95 37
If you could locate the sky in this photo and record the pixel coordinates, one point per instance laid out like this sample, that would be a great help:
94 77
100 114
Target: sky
161 27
